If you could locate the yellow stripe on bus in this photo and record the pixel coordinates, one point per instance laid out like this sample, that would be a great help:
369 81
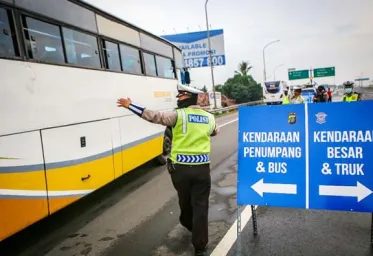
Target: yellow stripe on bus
18 212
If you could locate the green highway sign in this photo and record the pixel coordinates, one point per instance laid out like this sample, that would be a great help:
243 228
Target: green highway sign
298 74
323 72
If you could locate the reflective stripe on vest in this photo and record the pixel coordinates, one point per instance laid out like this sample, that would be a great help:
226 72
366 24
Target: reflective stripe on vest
205 158
191 136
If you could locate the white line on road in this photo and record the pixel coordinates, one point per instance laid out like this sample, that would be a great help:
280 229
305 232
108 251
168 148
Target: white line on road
231 236
221 125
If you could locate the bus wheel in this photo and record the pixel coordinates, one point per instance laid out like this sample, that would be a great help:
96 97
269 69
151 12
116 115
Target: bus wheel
167 145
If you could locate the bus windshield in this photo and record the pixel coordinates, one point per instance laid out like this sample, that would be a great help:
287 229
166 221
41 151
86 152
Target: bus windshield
272 87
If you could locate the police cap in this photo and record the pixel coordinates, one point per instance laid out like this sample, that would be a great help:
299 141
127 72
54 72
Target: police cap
348 84
187 90
297 88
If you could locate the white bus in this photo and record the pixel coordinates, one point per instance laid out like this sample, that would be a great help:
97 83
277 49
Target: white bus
63 65
273 92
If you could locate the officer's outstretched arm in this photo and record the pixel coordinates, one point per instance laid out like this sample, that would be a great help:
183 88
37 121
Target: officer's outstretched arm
164 118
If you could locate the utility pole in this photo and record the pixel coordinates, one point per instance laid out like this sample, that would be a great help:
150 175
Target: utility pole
274 71
210 57
264 60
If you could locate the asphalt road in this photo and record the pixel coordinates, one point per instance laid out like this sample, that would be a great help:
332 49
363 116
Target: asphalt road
141 217
298 232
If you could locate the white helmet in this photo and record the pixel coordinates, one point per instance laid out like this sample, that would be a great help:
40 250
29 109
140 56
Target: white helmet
183 89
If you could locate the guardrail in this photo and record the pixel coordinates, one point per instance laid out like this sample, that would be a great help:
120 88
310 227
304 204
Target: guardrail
234 107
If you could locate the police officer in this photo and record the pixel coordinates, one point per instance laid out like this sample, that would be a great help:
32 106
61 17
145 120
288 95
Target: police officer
349 94
189 163
286 99
297 97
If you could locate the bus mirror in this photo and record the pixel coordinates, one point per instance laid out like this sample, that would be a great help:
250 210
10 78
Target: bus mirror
182 76
187 77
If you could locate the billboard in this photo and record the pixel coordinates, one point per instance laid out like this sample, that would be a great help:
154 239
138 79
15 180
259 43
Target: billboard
195 47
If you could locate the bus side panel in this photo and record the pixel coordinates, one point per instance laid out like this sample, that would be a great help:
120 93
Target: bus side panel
141 140
23 195
117 147
57 95
78 160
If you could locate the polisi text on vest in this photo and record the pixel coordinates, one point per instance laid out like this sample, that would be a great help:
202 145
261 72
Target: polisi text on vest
198 119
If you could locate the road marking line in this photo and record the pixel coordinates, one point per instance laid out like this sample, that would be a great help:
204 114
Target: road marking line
231 236
232 121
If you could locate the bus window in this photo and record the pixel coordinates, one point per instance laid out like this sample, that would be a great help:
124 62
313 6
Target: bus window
131 60
112 55
43 41
150 67
81 49
273 87
7 35
165 67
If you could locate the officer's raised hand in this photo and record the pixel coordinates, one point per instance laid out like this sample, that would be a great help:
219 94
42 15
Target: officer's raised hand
124 103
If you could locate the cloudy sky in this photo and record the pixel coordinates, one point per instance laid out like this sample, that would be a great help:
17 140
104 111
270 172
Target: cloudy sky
312 33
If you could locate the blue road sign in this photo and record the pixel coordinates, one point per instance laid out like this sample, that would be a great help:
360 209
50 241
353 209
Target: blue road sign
341 156
362 79
324 162
271 159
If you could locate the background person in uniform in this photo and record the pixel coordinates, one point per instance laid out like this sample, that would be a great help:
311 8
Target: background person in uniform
297 97
189 163
286 99
349 94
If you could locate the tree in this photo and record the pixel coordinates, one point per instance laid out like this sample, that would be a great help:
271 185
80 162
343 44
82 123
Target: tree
244 68
241 87
219 87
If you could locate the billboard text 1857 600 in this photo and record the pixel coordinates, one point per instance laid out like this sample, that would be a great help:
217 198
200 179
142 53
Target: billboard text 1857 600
195 48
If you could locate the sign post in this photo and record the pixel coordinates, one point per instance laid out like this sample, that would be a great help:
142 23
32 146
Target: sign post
306 156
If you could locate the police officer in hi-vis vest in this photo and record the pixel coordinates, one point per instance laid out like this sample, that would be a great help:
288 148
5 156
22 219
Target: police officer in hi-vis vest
189 163
349 94
286 99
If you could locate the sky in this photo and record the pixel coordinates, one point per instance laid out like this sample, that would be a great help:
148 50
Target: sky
312 33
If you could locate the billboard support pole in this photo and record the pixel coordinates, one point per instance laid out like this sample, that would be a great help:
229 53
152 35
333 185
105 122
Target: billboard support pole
212 68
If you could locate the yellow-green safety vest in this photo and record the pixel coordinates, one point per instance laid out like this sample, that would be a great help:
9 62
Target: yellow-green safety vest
352 97
286 100
191 136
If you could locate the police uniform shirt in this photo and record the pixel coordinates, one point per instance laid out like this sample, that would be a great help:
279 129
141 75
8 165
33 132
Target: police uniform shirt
297 100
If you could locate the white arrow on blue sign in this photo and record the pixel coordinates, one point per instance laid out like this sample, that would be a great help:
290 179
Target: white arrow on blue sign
260 187
359 191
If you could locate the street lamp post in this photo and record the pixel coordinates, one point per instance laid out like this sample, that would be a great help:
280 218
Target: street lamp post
210 57
274 71
264 60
